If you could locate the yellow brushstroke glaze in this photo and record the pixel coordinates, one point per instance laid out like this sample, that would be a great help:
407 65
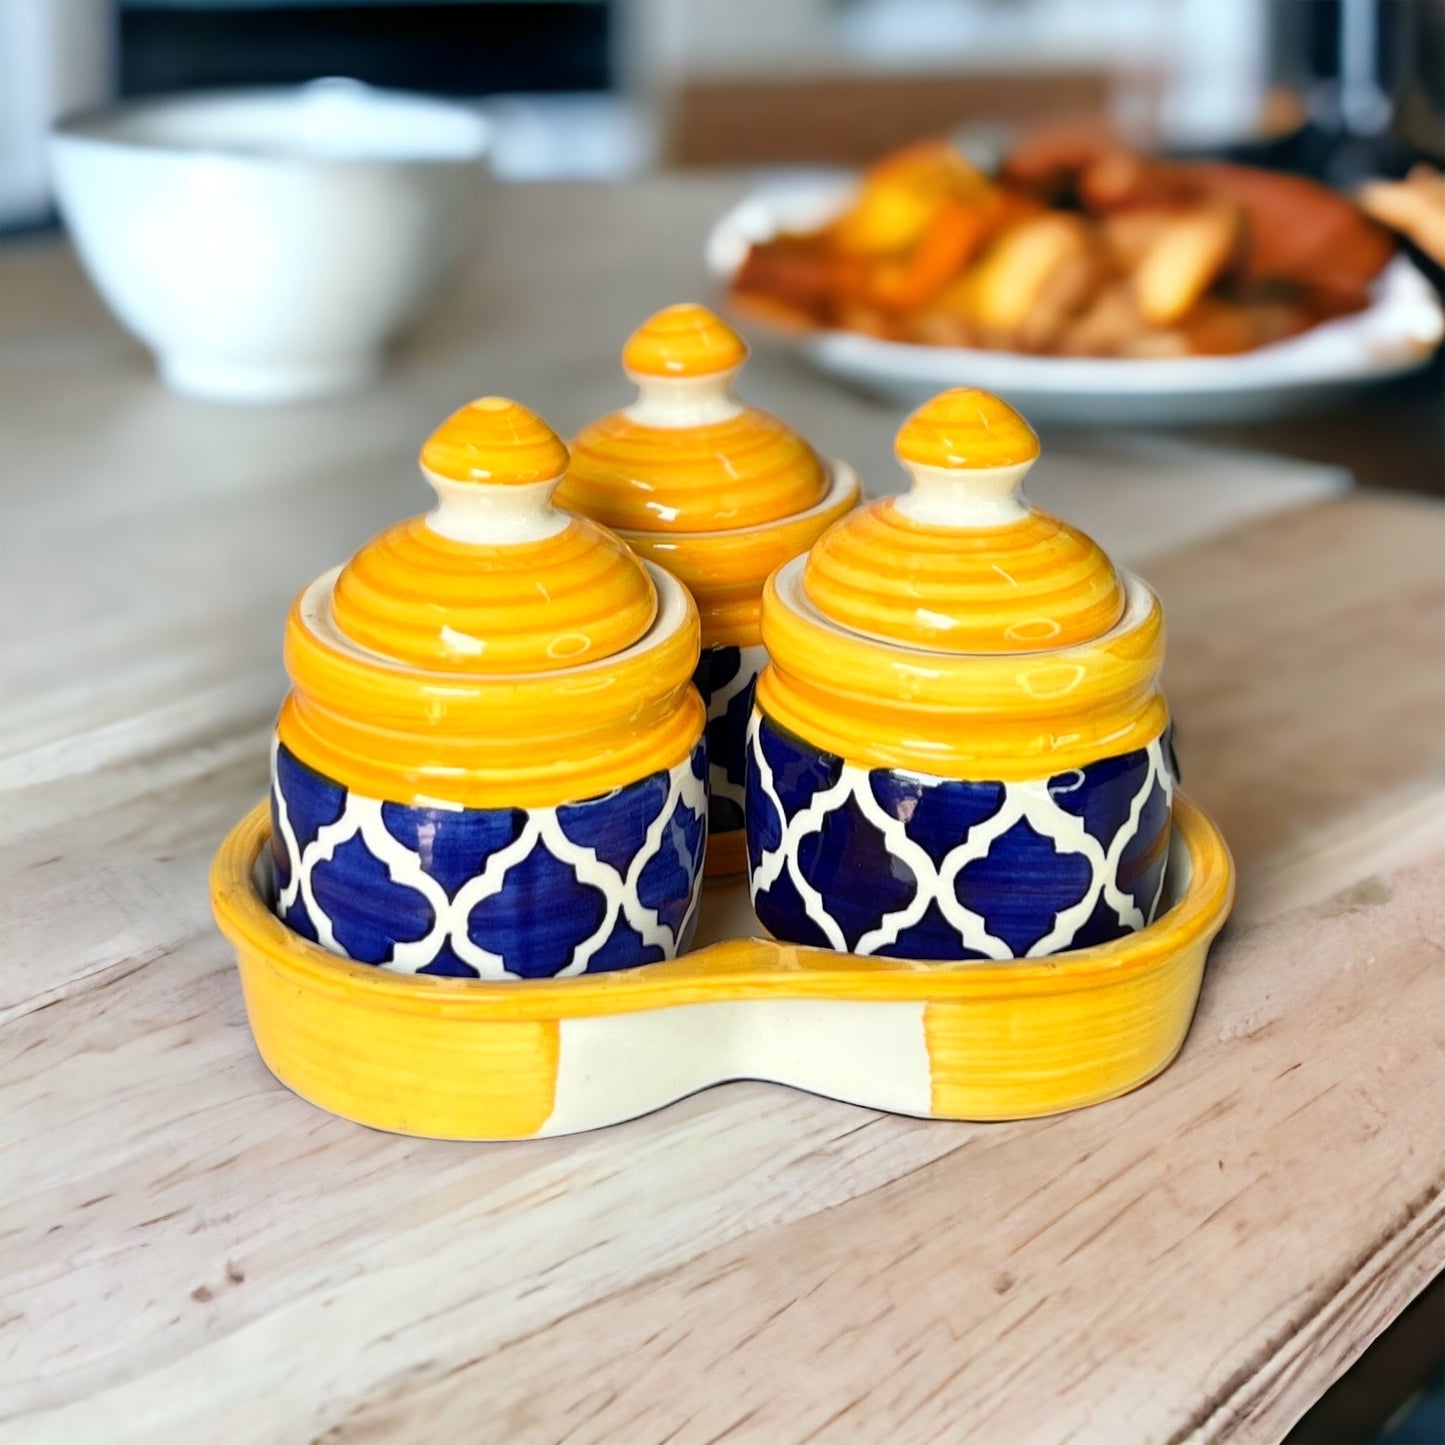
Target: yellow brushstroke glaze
561 592
725 571
980 572
531 740
697 460
428 600
966 427
740 472
684 340
457 1058
1037 583
1007 716
497 652
494 440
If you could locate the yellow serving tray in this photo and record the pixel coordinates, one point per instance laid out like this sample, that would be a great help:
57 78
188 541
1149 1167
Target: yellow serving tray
469 1059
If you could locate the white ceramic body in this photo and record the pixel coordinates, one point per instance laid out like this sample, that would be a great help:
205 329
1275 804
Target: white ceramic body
1397 333
267 244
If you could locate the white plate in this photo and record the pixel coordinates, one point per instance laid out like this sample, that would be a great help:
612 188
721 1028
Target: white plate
1396 333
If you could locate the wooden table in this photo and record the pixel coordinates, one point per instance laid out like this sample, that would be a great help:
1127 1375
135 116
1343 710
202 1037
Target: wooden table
191 1252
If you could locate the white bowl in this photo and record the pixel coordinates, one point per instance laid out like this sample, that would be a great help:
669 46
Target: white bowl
266 244
1397 333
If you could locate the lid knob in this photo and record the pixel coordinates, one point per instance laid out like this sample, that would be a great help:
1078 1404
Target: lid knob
967 451
685 340
494 466
683 361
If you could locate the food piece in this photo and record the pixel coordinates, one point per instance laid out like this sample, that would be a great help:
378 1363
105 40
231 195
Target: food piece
1046 162
1012 275
789 270
1185 257
938 328
952 238
1155 344
1128 235
1122 180
1110 323
901 196
1067 290
1222 328
867 320
1299 231
774 311
1415 207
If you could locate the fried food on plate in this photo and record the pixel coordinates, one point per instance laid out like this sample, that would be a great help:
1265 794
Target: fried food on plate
1415 207
1186 255
1081 247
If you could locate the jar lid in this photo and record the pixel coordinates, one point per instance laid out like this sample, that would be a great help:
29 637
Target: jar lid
687 455
495 579
961 563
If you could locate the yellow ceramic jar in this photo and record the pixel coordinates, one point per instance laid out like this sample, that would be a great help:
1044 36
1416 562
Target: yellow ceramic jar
959 748
718 493
491 762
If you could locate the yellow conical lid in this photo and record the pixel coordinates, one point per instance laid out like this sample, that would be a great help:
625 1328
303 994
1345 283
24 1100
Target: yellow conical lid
495 579
687 456
961 563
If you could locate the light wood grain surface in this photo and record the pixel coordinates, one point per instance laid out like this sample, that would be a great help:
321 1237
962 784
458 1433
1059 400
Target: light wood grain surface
190 1252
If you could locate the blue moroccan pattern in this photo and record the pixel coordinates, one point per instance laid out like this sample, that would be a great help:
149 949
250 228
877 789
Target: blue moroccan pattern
726 678
908 866
611 882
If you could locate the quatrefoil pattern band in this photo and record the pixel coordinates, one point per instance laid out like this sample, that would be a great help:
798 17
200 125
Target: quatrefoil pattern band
726 677
875 861
606 883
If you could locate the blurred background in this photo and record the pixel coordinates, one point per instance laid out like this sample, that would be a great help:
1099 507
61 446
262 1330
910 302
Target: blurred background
605 90
608 88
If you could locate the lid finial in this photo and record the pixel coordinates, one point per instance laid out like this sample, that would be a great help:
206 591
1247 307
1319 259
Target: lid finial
683 361
968 451
494 464
683 341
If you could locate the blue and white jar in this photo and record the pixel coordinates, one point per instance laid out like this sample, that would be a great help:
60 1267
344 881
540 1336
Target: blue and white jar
959 749
492 762
718 492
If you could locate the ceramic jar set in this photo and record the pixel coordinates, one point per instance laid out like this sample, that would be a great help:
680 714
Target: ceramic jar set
494 762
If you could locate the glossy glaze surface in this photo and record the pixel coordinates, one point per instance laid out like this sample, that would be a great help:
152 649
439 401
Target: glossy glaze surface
961 563
725 571
958 751
1007 716
687 455
496 579
482 741
683 340
608 882
727 678
720 494
966 427
496 652
494 440
876 861
472 1059
491 762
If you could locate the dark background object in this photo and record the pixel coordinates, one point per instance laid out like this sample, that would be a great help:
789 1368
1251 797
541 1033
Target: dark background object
482 48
